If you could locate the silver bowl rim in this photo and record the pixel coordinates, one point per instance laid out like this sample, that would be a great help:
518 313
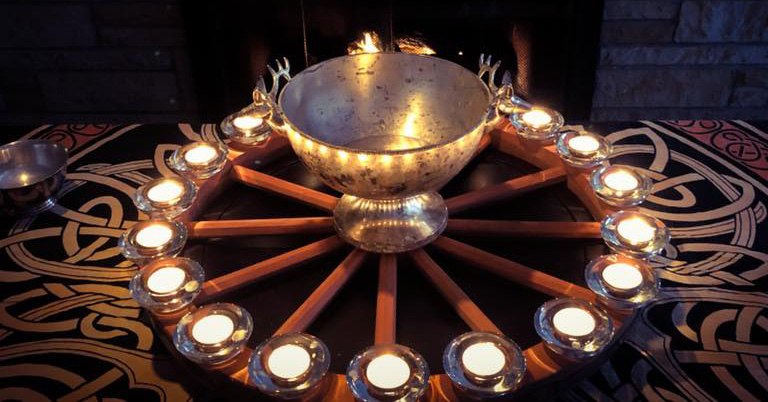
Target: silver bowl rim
392 152
50 143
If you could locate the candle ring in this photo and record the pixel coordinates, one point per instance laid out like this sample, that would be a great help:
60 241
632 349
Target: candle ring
484 364
621 282
573 328
248 126
290 365
166 197
620 186
634 234
168 284
213 334
388 372
149 240
199 160
539 123
583 149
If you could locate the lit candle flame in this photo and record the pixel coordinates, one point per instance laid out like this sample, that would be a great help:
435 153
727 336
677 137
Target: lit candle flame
483 359
370 43
247 122
585 144
636 230
289 361
574 321
621 181
154 236
212 329
167 191
388 371
200 155
622 276
537 118
166 280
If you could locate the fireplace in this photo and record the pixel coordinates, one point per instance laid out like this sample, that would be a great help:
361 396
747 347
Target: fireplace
550 46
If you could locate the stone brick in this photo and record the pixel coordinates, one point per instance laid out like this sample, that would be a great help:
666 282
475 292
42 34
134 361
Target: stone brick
677 55
723 21
21 91
753 77
107 92
142 36
45 25
137 13
637 31
86 59
749 96
630 114
641 10
662 88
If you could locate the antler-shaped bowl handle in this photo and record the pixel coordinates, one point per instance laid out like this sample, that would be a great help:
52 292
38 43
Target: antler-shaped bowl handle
267 100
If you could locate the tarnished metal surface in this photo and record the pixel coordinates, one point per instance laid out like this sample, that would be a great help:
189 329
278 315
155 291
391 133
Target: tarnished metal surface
31 173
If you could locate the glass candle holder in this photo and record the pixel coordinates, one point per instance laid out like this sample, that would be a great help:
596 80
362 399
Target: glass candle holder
248 126
484 364
166 197
634 234
583 149
510 103
620 186
290 365
573 328
621 282
213 334
539 123
168 284
149 240
388 372
199 160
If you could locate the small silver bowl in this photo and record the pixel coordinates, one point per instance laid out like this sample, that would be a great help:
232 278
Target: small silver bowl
31 174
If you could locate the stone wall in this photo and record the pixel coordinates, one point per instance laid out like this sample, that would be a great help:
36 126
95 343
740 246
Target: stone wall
683 59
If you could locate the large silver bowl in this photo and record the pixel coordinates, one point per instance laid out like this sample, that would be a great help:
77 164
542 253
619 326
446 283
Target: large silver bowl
387 130
31 174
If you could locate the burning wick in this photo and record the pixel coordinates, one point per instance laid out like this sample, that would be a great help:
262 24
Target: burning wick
622 276
585 144
483 359
247 122
167 191
574 321
154 236
212 329
200 155
621 181
289 361
166 280
537 118
636 230
388 372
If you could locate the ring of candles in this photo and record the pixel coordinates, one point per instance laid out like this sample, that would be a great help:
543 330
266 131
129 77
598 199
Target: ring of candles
199 160
289 365
620 186
634 234
165 198
538 123
582 149
149 240
167 284
214 333
573 328
391 372
248 126
621 282
484 364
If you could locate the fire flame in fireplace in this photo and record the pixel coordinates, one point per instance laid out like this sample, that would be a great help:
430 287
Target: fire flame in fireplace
369 44
413 46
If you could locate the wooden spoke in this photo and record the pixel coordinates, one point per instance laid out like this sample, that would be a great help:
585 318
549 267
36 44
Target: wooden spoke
559 230
468 310
386 300
542 156
509 269
272 184
249 227
242 277
316 302
509 188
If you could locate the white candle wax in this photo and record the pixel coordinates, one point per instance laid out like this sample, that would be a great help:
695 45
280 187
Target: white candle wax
165 191
537 118
247 122
154 236
214 328
288 361
636 230
574 321
388 372
621 180
166 280
200 154
622 276
585 144
483 359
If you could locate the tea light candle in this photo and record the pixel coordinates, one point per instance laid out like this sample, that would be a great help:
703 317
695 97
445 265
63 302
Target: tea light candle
584 144
622 276
388 371
165 192
574 321
635 230
621 282
200 155
213 329
289 361
634 234
537 118
247 122
483 359
167 284
621 180
166 280
154 236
